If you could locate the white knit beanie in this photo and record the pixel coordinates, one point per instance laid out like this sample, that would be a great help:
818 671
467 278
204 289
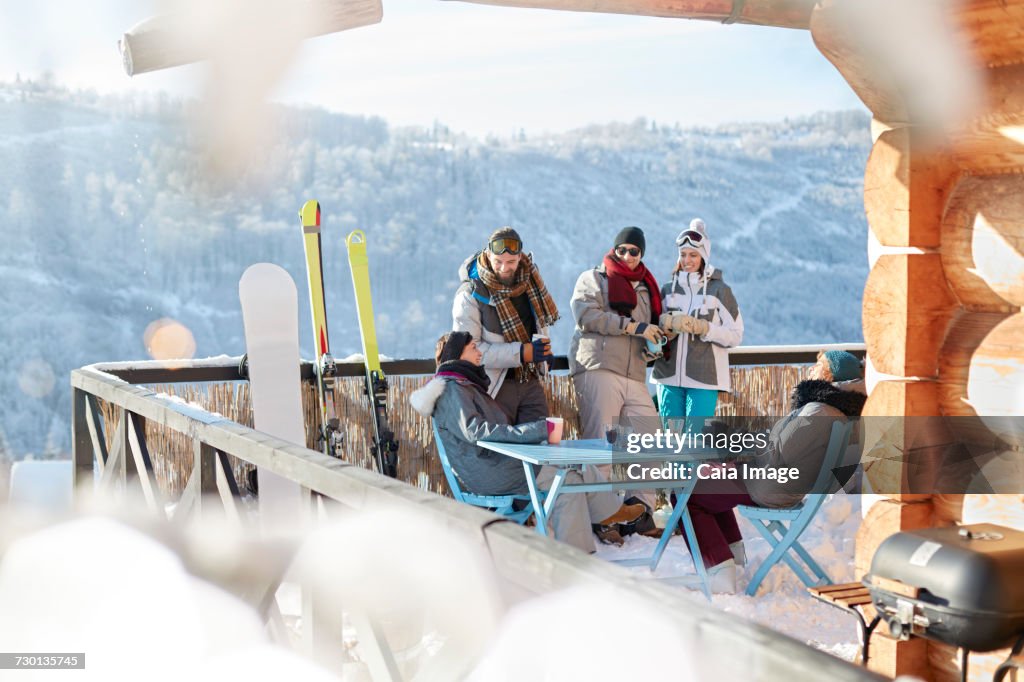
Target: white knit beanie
702 245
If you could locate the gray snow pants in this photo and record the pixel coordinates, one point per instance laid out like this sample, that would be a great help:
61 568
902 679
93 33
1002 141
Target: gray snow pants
574 512
523 402
605 397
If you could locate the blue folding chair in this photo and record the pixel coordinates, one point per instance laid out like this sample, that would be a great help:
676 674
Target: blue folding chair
502 505
782 527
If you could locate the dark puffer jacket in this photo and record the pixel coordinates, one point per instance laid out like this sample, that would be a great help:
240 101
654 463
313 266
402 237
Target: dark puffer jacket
801 439
465 414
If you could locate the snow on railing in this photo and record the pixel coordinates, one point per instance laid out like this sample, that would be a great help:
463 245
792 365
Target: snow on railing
720 643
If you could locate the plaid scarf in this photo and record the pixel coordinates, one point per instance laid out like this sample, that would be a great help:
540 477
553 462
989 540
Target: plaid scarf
527 280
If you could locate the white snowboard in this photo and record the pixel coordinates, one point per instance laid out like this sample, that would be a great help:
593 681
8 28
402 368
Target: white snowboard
270 313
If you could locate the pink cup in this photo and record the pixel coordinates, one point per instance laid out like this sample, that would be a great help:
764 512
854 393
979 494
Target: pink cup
555 426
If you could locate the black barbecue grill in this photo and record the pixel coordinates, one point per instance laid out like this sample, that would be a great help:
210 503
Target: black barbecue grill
961 586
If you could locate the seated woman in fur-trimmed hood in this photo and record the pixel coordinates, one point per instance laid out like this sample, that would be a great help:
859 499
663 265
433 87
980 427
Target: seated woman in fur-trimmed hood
464 412
800 440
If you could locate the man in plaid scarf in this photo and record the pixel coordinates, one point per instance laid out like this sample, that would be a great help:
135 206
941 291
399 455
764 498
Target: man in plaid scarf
504 303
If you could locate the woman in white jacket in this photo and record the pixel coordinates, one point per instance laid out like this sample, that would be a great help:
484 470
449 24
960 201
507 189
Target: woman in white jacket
702 313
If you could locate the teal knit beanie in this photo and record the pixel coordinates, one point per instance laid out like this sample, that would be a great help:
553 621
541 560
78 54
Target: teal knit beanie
843 365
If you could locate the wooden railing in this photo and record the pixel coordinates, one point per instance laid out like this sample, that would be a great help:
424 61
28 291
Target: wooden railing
762 378
116 459
227 368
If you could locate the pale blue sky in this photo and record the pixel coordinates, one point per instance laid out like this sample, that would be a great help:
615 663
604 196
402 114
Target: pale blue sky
473 67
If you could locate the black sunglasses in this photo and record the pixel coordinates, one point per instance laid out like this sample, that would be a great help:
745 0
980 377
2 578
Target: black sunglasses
631 250
507 245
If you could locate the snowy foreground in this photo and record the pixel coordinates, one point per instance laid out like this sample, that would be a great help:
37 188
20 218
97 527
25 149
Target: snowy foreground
98 586
782 602
580 620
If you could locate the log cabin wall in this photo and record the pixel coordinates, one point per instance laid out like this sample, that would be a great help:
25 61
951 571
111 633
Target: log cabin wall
944 80
944 197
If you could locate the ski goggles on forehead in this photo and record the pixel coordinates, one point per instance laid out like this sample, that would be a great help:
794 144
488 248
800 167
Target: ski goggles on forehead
505 245
690 238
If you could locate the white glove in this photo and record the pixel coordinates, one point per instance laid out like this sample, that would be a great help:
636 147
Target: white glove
694 325
672 322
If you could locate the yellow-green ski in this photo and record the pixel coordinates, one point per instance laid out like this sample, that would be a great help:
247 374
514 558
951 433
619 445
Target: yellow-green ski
385 447
325 368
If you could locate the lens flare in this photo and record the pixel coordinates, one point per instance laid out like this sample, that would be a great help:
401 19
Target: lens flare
36 378
168 339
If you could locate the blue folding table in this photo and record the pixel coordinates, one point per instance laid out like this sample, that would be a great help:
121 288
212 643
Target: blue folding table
570 454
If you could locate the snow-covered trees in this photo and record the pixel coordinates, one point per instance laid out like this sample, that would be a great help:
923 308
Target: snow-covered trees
108 224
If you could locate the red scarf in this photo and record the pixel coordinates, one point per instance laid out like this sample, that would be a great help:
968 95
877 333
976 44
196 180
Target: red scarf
621 294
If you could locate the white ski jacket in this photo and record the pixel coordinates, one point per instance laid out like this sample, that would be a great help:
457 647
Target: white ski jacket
700 361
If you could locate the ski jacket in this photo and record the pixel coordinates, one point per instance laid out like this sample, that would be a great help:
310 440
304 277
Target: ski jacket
473 312
700 361
465 414
801 438
600 340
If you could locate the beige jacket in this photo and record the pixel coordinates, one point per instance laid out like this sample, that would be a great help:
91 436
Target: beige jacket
600 340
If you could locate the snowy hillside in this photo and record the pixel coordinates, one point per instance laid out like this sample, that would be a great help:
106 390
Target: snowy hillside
108 225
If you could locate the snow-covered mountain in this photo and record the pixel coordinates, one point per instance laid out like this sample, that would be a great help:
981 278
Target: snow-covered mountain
109 224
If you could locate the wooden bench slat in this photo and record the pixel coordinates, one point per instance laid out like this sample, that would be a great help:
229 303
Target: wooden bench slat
839 594
850 597
847 595
824 589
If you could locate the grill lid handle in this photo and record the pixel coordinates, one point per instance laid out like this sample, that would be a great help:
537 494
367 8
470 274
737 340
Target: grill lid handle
968 534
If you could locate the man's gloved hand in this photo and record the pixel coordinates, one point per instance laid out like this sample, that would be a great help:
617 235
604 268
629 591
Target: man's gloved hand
537 351
694 325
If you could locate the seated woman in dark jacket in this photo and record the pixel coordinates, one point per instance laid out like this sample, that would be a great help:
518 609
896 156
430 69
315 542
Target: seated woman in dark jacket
800 440
465 413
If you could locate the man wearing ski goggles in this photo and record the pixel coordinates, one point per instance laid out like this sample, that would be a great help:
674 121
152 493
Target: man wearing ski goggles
509 245
503 302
